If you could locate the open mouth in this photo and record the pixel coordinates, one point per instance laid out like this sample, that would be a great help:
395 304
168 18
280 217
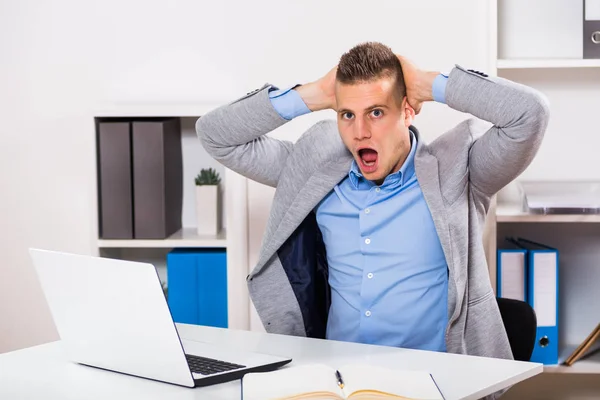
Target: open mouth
368 159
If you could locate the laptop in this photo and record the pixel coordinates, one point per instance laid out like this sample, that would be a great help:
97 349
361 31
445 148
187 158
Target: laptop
112 314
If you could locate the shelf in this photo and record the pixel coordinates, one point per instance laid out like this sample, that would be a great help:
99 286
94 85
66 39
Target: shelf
548 63
157 109
186 237
506 213
587 365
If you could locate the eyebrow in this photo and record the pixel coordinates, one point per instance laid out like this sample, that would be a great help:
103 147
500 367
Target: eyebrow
345 110
377 106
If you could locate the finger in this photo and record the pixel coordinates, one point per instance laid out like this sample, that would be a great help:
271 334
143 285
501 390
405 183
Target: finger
415 109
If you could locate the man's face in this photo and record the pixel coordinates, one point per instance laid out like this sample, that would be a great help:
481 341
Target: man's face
373 123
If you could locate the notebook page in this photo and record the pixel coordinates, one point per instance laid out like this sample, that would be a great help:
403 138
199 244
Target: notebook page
289 382
410 384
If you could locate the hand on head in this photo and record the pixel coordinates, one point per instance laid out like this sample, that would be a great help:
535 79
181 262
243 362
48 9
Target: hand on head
411 76
419 83
320 94
327 86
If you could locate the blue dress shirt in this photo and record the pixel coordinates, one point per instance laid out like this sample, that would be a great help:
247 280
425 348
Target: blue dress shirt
387 270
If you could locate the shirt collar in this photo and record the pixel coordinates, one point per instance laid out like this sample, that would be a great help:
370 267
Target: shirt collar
393 180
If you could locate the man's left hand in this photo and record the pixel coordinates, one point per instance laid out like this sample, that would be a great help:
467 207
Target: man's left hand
419 83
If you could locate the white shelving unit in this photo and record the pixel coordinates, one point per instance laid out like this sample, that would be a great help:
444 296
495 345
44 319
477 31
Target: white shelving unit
186 237
557 69
512 213
233 237
154 109
547 63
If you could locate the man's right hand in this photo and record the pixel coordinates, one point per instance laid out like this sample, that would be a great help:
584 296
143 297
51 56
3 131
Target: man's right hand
320 94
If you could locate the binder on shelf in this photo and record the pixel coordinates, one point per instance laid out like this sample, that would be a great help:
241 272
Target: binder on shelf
542 295
584 347
114 179
197 282
512 272
157 177
591 29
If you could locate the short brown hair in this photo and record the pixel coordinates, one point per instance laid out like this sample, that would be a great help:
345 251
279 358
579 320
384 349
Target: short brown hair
368 61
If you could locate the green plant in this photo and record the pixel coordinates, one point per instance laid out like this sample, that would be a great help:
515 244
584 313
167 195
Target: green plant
207 177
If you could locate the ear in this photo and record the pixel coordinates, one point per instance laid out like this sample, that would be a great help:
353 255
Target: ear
409 112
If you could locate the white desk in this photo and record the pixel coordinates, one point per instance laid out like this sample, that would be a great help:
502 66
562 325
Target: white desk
44 372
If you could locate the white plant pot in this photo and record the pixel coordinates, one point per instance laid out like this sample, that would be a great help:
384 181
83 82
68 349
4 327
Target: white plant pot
208 209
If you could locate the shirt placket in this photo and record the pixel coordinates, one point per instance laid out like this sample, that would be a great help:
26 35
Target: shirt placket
367 218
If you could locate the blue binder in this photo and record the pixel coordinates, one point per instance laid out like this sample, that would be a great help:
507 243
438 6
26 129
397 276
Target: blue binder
511 272
543 281
197 286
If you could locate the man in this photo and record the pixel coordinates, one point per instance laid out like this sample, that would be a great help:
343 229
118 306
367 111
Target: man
375 236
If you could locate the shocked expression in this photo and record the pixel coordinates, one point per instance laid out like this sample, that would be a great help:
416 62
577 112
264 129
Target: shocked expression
373 120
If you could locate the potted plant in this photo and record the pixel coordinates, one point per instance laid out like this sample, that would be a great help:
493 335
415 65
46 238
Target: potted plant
208 210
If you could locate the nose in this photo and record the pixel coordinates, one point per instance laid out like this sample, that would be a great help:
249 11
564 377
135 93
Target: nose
361 129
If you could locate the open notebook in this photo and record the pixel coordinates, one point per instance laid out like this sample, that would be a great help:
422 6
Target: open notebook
318 381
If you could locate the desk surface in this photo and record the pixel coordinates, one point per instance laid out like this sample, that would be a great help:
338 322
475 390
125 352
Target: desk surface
43 371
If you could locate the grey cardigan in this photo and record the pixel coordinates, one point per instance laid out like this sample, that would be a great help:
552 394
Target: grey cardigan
459 172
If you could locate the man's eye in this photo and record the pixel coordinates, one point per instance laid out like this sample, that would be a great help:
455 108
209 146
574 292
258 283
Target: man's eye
347 115
377 113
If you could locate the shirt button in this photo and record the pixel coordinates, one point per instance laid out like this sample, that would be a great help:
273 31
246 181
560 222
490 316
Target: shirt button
367 211
369 275
368 313
378 190
367 240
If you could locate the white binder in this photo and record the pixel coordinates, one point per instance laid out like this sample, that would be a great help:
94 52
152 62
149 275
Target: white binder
511 269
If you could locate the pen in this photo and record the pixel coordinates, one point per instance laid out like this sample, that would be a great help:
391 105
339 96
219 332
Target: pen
339 379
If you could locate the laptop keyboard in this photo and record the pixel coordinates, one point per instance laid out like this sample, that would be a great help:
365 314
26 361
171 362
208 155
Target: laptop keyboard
209 366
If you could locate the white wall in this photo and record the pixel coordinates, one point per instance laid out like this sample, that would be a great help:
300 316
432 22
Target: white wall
63 59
